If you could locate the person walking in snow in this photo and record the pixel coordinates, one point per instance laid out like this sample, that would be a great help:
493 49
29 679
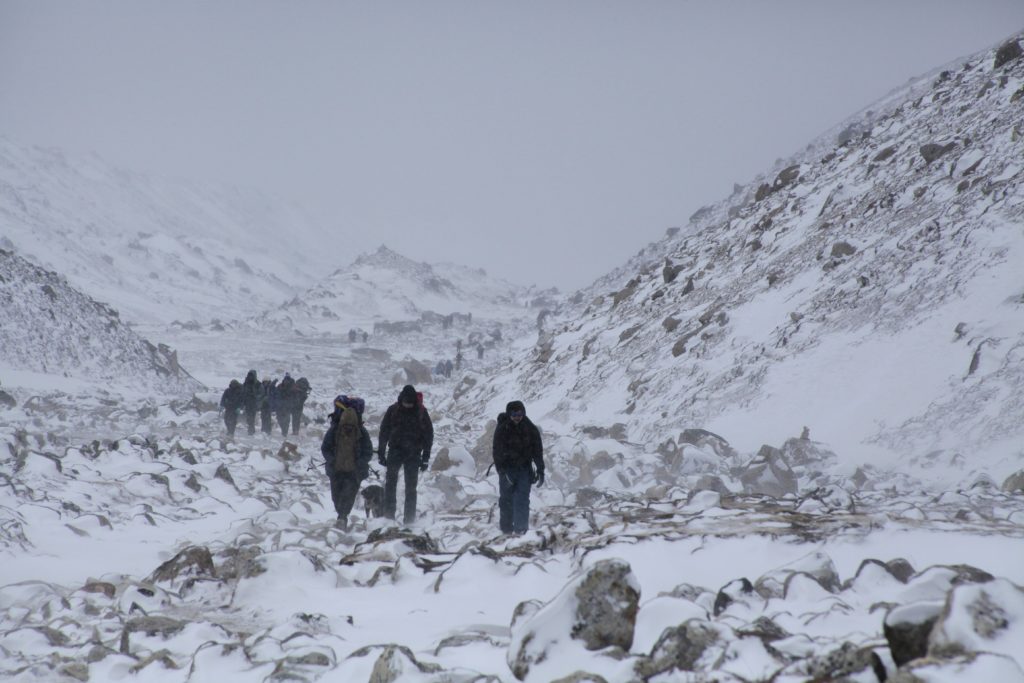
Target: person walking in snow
299 394
518 455
347 452
230 404
404 443
252 392
282 402
266 406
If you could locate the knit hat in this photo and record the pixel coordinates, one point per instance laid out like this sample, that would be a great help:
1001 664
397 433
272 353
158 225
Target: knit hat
408 394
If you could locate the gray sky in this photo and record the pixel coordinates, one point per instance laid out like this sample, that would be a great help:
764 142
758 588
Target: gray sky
544 141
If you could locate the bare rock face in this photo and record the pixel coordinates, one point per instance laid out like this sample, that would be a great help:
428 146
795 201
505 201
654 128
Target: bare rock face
973 667
594 611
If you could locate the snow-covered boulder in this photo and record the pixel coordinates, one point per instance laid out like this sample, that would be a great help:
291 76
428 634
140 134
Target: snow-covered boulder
596 610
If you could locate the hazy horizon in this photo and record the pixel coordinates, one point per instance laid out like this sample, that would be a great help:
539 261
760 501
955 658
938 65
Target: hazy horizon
545 143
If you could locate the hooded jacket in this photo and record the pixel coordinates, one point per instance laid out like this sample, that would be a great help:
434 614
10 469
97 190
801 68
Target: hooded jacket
517 445
406 432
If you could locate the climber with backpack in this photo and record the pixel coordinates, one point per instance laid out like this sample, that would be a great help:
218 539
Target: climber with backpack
404 443
518 453
347 452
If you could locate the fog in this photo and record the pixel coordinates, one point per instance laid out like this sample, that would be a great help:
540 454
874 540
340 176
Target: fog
544 142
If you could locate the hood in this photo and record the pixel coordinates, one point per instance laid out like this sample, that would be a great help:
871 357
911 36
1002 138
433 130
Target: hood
408 393
514 405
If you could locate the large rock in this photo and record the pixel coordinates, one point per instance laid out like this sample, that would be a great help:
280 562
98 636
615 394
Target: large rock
817 565
769 474
594 611
907 627
680 647
980 617
1014 483
1007 52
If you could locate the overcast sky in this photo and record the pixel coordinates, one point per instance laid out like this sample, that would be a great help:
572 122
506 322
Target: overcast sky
544 141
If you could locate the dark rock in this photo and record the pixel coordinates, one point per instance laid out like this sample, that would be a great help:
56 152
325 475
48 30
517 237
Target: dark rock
933 151
786 177
731 592
581 677
670 272
108 589
670 324
192 562
224 474
906 629
6 400
151 626
839 664
607 603
769 474
703 439
765 629
842 250
1014 483
1007 52
679 647
420 543
587 497
885 154
901 569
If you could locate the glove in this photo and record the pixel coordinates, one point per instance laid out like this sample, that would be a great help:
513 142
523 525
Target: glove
539 478
423 464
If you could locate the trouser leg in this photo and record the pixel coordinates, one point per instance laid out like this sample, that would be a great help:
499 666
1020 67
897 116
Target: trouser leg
296 418
230 421
266 422
344 488
250 420
521 501
391 489
412 475
505 489
283 419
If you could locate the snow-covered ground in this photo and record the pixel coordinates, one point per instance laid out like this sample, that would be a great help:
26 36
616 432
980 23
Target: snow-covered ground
691 528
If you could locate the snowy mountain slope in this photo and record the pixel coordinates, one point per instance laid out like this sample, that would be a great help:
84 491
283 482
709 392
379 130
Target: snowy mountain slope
49 327
156 250
385 286
872 293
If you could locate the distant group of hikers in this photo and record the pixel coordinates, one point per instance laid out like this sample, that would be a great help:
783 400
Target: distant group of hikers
404 443
267 398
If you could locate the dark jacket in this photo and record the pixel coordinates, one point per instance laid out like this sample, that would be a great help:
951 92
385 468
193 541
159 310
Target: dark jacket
252 392
407 432
517 445
364 452
231 399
